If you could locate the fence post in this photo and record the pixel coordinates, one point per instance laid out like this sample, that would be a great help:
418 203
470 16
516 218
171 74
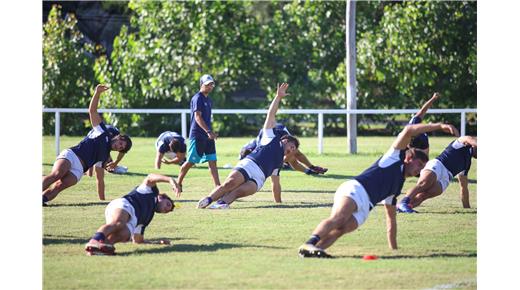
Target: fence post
462 123
183 125
57 131
320 133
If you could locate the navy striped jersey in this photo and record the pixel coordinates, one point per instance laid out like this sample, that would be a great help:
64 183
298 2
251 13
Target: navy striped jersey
144 202
164 140
203 104
456 158
385 177
268 155
420 141
94 147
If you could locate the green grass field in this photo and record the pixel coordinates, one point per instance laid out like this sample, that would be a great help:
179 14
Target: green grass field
254 244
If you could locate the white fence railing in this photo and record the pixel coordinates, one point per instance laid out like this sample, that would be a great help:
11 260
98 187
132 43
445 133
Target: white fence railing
320 113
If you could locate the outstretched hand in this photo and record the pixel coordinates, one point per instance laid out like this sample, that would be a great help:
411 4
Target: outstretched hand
448 128
282 90
177 188
436 96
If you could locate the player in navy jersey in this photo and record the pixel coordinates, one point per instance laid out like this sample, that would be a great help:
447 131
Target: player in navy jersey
298 161
111 166
127 217
265 161
382 181
73 162
421 141
171 149
202 138
437 174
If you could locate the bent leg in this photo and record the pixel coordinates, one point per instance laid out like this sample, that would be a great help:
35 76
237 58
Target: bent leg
245 189
426 181
116 230
303 159
60 168
434 191
341 214
333 235
234 180
67 181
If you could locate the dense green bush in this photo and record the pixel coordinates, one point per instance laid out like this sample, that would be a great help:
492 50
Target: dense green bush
406 51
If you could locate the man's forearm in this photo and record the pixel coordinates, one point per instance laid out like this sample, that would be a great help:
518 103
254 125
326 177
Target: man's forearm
94 102
414 130
200 121
271 113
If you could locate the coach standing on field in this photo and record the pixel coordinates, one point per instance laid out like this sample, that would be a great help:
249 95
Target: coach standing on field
202 138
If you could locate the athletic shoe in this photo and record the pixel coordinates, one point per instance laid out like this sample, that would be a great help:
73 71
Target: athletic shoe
405 208
311 251
97 248
219 205
120 169
203 203
319 169
309 171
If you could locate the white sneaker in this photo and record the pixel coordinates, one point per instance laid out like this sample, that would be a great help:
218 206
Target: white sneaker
203 203
311 251
219 206
120 169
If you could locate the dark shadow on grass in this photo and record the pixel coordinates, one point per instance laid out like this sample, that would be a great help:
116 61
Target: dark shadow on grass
285 205
48 164
434 255
194 248
307 190
328 175
78 204
454 211
60 240
132 174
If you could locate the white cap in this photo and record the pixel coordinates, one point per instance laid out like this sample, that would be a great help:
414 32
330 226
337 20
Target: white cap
206 79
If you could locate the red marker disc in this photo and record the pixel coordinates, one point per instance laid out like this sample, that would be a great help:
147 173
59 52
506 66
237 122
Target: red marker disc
369 257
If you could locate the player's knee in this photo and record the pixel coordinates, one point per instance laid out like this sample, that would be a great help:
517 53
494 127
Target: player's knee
57 173
229 184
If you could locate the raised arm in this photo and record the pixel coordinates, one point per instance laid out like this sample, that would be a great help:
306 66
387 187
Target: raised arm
95 118
152 179
422 112
404 138
270 120
468 140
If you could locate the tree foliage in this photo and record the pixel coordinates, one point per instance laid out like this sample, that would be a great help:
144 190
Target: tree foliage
406 50
418 48
67 71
